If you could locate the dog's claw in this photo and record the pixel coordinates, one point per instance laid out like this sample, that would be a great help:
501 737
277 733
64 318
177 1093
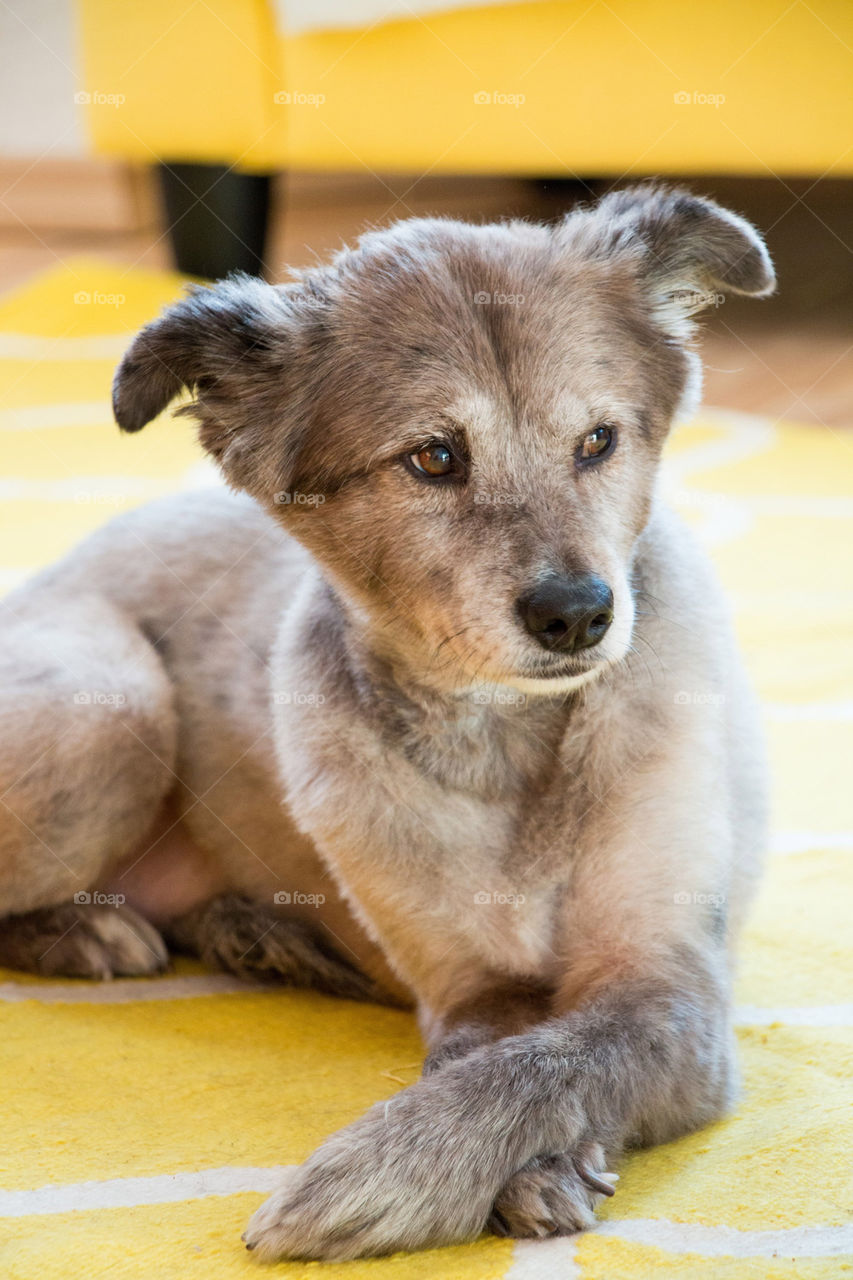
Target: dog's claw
553 1195
498 1224
600 1182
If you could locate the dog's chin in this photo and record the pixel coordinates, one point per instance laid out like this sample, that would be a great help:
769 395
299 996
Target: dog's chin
562 679
555 676
542 681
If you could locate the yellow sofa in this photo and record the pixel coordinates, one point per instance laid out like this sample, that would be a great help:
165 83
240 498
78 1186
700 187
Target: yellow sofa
558 87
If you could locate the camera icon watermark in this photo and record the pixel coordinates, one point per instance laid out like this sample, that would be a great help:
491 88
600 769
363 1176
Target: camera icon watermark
85 898
89 497
698 698
498 698
498 499
486 897
697 99
83 98
286 898
98 698
498 98
484 298
298 98
297 698
695 898
697 299
293 498
83 298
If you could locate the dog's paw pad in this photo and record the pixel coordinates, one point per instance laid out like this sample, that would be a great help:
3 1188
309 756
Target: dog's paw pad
553 1195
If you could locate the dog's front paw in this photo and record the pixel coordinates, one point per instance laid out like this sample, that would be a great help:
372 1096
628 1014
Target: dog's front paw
309 1216
553 1195
407 1175
426 1169
355 1204
337 1206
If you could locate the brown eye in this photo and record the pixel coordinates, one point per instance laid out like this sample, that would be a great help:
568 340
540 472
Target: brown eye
596 444
433 460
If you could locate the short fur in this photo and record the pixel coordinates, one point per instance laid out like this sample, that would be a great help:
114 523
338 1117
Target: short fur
313 705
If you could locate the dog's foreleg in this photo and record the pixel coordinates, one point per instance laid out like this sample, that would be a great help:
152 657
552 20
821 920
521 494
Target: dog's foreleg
497 1008
637 1048
428 1166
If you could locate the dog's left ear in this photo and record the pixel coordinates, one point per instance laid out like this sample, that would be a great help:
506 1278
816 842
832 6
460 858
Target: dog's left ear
690 250
235 346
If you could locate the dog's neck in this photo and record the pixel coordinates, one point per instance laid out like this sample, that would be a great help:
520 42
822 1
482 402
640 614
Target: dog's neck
483 738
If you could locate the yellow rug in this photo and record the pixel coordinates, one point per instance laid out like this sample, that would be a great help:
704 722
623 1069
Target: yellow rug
142 1120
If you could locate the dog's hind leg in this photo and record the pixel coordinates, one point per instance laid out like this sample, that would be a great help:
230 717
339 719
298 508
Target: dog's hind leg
87 748
253 940
82 940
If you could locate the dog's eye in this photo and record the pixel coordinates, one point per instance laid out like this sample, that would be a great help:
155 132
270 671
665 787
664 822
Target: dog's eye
433 460
598 443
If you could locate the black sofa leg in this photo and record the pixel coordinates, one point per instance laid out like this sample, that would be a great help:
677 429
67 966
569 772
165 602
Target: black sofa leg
217 218
558 195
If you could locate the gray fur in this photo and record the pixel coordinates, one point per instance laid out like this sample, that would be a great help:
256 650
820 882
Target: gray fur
252 940
550 856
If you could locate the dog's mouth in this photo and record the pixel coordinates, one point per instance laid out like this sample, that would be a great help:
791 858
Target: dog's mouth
562 668
557 676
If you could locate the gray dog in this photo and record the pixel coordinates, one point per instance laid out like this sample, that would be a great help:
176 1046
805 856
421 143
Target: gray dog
443 710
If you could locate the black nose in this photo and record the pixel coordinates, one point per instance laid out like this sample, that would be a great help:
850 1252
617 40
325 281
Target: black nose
567 614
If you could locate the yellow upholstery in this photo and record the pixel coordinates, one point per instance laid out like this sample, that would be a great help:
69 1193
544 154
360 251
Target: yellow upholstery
556 87
159 1119
197 82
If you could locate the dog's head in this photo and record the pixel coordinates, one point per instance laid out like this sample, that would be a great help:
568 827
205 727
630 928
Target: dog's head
463 424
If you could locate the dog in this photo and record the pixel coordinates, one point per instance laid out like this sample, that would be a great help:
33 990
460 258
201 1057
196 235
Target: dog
440 706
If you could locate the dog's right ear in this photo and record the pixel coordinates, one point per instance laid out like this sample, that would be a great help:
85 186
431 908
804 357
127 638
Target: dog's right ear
689 251
232 346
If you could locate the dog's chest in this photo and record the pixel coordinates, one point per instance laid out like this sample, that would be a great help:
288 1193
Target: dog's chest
491 896
479 784
424 820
